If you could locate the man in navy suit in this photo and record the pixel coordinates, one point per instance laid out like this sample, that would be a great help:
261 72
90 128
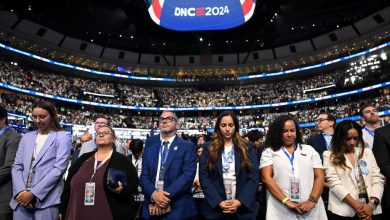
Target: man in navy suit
168 171
381 151
321 142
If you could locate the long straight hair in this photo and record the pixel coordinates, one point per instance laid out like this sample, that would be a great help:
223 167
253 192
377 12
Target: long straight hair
338 142
54 124
218 144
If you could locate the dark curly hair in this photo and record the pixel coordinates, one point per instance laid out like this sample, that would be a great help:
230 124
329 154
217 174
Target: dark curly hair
275 132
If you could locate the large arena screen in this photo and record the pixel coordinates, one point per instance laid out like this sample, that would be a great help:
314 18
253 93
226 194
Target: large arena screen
196 15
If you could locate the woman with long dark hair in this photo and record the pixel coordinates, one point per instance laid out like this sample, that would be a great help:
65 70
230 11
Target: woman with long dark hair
355 182
228 173
292 173
40 162
89 195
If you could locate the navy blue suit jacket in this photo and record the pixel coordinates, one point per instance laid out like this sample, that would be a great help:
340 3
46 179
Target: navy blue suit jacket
318 142
178 178
214 190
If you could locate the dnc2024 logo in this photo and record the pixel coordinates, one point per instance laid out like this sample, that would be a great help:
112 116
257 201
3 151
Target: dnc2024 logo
190 15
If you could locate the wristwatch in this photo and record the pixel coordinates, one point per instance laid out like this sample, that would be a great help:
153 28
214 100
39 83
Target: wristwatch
312 199
374 201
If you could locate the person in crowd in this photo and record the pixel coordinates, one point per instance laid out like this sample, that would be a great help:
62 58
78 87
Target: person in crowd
9 143
85 137
168 171
201 140
39 164
88 194
228 172
355 181
292 173
381 151
90 145
196 187
256 137
325 123
371 121
137 148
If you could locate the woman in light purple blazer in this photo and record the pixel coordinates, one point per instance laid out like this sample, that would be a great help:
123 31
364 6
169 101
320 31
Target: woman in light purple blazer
40 162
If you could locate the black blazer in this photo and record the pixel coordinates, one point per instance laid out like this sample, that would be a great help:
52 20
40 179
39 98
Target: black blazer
318 142
120 204
381 149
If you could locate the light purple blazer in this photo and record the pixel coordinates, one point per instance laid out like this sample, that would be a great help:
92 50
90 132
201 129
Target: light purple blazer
49 166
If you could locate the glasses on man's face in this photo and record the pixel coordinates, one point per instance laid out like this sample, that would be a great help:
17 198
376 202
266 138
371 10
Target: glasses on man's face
104 133
319 120
352 138
167 119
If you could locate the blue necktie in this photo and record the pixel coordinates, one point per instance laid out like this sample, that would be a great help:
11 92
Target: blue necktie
163 159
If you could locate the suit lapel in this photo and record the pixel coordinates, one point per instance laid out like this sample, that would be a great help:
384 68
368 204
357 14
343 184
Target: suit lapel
237 162
154 157
172 151
351 171
323 142
2 137
46 145
29 146
219 166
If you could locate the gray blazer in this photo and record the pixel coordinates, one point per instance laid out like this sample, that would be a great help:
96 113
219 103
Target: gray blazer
9 142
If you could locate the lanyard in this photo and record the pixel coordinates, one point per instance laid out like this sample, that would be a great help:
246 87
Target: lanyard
96 166
291 159
369 131
4 130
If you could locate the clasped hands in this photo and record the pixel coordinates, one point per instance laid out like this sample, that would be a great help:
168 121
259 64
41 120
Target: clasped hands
230 206
25 198
302 207
161 203
363 211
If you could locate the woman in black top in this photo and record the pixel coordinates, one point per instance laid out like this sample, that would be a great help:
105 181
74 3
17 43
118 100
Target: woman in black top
87 193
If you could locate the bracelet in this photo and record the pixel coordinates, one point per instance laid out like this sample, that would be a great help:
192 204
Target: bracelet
285 200
372 205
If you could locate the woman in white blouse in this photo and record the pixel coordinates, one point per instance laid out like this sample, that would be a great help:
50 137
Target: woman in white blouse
355 181
292 173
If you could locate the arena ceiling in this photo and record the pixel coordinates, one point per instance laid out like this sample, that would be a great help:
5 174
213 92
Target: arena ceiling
125 24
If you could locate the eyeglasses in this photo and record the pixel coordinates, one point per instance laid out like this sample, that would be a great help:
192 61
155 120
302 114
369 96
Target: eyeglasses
167 119
319 120
352 138
104 133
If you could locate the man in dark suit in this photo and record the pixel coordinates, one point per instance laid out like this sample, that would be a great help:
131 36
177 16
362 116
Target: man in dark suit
168 171
321 142
9 143
381 149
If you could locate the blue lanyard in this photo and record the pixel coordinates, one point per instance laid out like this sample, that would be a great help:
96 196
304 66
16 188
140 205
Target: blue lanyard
291 159
369 131
4 130
163 160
